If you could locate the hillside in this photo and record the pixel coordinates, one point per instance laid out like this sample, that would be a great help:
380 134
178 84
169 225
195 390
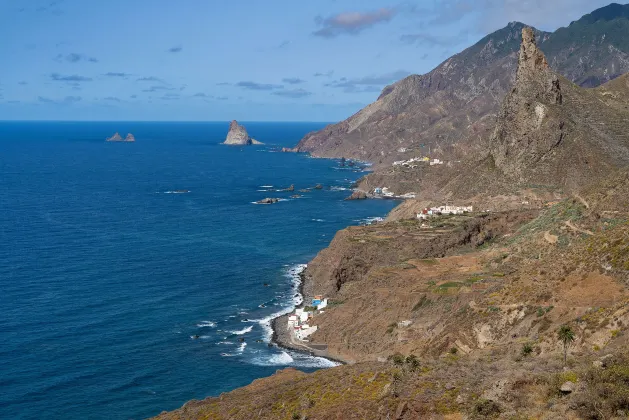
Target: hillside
465 328
444 112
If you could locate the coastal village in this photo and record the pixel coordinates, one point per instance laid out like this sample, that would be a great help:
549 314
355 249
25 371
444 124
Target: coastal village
299 321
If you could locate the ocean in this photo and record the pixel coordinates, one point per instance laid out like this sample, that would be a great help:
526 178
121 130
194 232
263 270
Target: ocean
137 276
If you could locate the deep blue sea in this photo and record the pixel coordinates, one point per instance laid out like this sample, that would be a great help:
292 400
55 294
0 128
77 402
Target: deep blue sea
107 275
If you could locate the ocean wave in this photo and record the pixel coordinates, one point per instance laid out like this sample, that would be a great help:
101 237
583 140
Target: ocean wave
241 348
266 186
369 220
292 359
318 220
208 324
241 332
339 189
225 342
293 273
228 355
175 192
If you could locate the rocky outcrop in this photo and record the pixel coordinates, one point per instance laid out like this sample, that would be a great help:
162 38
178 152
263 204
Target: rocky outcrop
446 111
268 201
117 138
357 195
238 136
551 132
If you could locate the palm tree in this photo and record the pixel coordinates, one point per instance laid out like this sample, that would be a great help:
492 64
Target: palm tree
566 336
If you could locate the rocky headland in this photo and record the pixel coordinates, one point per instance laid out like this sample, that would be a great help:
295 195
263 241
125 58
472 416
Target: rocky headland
238 136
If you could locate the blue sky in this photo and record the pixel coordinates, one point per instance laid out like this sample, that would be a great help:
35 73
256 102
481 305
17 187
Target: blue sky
274 60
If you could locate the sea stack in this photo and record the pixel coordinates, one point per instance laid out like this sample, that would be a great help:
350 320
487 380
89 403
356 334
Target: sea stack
116 137
238 136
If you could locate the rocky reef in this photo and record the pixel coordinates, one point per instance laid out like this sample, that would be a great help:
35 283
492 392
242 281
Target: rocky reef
238 136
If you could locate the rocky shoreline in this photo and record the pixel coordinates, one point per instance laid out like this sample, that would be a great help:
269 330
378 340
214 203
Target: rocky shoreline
282 338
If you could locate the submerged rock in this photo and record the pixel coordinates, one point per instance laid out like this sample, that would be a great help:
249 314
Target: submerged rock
238 136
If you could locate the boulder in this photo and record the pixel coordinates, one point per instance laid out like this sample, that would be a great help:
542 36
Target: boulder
567 387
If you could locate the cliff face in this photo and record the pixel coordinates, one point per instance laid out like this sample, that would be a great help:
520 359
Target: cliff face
238 136
444 112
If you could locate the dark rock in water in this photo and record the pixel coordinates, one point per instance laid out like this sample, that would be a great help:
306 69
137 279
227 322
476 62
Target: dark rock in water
290 189
318 187
342 162
268 201
357 195
238 136
266 284
296 196
242 340
351 163
194 337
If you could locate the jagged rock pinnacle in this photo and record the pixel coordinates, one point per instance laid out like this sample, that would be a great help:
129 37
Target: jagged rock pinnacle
534 77
531 58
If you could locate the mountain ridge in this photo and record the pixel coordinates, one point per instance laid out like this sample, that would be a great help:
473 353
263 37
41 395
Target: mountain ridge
444 111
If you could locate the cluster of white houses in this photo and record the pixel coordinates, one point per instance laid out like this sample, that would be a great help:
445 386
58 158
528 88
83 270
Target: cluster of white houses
298 322
411 163
436 211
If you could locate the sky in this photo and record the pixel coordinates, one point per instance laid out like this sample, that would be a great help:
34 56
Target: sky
251 60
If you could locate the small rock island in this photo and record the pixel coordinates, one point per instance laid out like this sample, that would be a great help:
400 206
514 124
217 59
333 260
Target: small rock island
238 136
116 137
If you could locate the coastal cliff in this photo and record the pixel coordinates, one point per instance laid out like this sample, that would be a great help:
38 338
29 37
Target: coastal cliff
459 316
238 136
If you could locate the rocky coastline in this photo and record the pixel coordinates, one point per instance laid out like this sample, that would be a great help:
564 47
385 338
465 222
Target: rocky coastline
281 337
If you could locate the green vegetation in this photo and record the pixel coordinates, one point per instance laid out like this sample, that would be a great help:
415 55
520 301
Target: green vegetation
424 301
607 390
486 409
566 336
454 350
527 349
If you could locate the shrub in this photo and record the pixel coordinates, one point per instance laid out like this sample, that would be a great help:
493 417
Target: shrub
413 362
527 349
486 408
397 359
607 390
454 350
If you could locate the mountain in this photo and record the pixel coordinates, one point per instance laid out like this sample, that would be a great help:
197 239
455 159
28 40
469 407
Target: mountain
550 131
445 112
